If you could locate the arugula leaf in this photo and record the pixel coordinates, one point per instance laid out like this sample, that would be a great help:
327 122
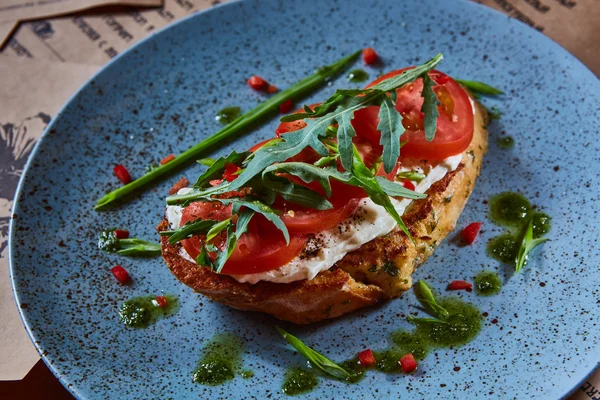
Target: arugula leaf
188 229
528 243
216 168
345 133
411 175
295 193
480 87
408 76
316 358
426 297
429 107
206 161
391 128
197 194
395 189
137 247
269 213
244 217
217 228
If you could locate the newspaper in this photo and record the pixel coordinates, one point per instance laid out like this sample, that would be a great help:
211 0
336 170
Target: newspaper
44 61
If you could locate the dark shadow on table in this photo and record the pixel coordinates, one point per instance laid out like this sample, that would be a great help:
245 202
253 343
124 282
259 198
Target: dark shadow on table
37 385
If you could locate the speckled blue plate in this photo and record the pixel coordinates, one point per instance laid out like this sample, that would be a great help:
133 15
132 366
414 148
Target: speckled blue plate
162 96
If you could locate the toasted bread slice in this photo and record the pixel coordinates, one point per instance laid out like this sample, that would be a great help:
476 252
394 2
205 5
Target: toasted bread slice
380 269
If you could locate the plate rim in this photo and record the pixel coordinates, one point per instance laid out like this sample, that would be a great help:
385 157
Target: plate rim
71 388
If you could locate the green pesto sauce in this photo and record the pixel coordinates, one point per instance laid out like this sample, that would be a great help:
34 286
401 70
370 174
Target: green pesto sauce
541 224
227 115
503 248
353 367
107 241
461 327
487 283
299 380
247 374
509 209
505 142
140 312
357 75
513 210
221 358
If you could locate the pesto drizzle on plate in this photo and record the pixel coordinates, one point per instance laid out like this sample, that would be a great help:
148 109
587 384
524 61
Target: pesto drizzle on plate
140 312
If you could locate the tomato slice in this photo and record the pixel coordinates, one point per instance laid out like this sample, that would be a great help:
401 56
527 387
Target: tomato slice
454 125
261 249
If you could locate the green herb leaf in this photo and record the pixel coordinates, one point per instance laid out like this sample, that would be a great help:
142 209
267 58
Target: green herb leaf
206 161
345 133
395 189
215 171
132 247
188 229
426 297
244 217
217 228
480 87
391 128
138 248
429 108
412 176
408 75
528 243
316 358
261 208
295 193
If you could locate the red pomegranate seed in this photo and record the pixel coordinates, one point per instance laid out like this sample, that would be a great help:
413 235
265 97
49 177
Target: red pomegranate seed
121 274
408 363
369 55
366 358
121 234
469 233
122 173
180 184
230 172
286 106
257 83
459 285
272 89
162 301
408 184
168 158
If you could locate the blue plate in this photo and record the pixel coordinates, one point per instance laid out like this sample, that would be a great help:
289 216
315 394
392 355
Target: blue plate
162 95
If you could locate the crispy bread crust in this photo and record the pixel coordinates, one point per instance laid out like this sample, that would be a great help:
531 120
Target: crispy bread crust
381 269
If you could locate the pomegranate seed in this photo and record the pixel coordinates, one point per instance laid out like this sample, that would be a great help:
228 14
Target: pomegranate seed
168 158
272 89
366 358
122 173
230 172
408 184
469 233
162 301
121 274
257 83
180 184
369 56
408 363
286 106
121 234
460 285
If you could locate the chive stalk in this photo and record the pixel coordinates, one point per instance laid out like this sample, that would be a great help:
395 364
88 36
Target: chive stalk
265 109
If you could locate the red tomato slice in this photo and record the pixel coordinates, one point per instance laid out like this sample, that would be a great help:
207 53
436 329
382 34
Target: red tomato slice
261 249
454 125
